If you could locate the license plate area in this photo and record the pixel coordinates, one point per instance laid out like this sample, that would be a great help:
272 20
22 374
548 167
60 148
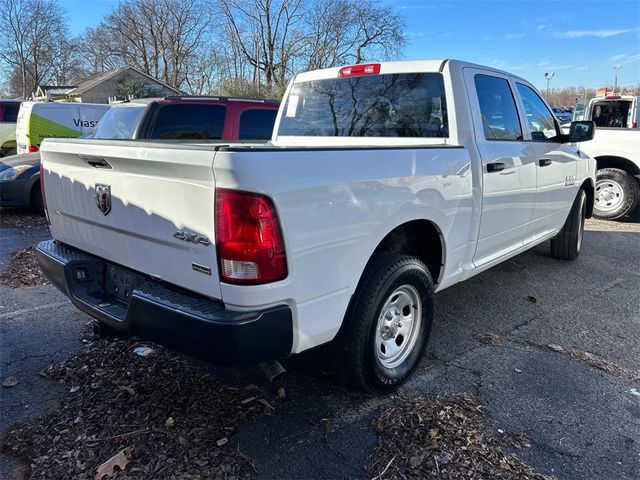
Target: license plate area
119 284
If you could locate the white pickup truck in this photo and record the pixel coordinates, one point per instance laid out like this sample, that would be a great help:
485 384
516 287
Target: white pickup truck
383 183
616 149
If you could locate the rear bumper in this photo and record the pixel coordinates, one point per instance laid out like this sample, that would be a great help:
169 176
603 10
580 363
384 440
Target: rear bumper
171 316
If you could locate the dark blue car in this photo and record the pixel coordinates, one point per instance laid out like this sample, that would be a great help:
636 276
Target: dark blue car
20 181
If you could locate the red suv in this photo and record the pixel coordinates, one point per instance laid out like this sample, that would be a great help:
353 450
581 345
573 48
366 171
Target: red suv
189 117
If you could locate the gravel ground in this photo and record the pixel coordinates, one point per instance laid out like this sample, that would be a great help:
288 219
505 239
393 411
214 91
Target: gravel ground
550 350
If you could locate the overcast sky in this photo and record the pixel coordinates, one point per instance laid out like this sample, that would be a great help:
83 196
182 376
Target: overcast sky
578 40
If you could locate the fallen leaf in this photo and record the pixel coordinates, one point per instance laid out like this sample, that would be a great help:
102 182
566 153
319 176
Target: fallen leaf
74 389
555 348
143 351
517 370
282 394
10 382
120 460
169 422
532 299
489 339
222 441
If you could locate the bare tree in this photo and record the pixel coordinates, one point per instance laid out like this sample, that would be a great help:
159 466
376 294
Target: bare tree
160 37
269 34
33 32
279 37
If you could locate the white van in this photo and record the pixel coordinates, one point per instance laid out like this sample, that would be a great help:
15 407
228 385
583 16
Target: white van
40 120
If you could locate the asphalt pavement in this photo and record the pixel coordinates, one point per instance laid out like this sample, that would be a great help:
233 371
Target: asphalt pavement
582 416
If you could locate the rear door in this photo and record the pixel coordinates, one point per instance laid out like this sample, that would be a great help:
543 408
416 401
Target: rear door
555 163
508 165
142 205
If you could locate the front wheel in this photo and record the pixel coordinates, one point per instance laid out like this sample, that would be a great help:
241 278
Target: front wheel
567 244
617 194
387 327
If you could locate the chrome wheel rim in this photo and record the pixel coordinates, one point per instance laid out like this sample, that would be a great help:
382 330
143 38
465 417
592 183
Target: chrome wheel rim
609 195
398 326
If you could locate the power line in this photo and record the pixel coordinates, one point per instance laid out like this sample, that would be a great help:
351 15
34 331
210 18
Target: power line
488 20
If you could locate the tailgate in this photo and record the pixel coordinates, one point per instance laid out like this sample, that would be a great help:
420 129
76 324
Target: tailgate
145 206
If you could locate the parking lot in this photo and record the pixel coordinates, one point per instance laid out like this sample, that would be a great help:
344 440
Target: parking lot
550 349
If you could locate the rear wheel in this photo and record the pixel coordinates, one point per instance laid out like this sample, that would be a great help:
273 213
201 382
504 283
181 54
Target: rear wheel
616 194
567 244
387 327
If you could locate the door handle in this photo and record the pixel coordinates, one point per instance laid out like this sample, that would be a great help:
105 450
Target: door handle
495 167
544 162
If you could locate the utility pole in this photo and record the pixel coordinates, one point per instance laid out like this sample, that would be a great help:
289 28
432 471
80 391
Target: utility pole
548 76
615 78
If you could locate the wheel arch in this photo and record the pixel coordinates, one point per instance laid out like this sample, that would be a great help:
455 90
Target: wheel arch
589 190
613 161
419 238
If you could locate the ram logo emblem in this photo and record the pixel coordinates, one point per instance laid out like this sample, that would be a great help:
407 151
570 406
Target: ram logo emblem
103 198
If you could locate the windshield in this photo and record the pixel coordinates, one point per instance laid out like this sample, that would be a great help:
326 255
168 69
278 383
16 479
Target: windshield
391 105
119 122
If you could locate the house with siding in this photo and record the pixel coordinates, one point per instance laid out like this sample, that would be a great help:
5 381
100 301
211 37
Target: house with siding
119 84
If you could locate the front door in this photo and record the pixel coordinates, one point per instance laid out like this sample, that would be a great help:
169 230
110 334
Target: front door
555 163
508 166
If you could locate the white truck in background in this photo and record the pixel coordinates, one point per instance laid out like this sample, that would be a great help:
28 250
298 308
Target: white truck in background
382 184
616 149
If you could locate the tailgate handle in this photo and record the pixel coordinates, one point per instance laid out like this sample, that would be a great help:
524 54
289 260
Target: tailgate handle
95 162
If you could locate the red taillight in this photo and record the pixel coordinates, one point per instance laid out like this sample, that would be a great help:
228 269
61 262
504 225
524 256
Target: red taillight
360 69
613 97
248 238
32 149
44 198
635 125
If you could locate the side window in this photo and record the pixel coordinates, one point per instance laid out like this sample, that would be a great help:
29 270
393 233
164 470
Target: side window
11 113
257 124
540 119
194 121
498 109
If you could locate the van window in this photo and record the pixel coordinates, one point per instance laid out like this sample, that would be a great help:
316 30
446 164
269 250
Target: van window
257 124
388 105
540 119
189 121
498 108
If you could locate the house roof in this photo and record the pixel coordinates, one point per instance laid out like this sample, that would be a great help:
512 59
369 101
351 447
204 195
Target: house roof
96 79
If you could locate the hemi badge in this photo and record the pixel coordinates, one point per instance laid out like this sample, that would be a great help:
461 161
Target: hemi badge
201 269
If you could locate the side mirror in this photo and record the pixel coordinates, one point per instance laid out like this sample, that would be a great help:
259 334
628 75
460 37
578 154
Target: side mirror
581 131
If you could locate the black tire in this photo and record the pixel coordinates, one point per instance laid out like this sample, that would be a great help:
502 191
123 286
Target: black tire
36 198
356 349
7 152
617 194
567 244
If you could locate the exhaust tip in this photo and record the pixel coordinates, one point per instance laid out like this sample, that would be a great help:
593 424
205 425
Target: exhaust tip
272 370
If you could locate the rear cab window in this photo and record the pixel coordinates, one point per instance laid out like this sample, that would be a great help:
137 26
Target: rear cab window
611 113
498 110
189 121
540 119
257 124
384 105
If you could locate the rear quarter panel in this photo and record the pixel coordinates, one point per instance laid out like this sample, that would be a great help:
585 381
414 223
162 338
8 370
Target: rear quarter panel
335 206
